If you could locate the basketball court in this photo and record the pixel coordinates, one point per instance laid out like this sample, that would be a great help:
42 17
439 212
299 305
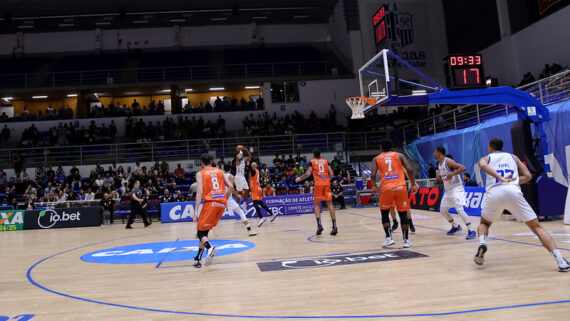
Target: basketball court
285 272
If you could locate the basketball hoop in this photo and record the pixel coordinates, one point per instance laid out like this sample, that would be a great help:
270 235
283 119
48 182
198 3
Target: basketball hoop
357 104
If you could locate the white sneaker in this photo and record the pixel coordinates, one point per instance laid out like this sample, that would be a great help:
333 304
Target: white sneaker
210 256
563 266
388 241
407 244
251 232
261 221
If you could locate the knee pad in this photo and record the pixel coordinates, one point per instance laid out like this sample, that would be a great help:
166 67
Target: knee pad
201 234
385 216
404 218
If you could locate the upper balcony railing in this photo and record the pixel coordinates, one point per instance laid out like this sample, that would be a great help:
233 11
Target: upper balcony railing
266 71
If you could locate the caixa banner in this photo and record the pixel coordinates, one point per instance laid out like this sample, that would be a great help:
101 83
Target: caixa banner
184 211
62 217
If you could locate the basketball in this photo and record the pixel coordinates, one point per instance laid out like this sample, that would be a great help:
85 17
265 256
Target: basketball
239 147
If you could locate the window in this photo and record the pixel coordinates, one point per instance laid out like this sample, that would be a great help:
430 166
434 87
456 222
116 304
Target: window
285 92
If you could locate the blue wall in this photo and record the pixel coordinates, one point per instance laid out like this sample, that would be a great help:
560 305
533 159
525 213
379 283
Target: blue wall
470 144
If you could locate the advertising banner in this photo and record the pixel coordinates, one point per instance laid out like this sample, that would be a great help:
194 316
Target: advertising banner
62 217
286 204
12 220
184 211
279 205
427 198
473 200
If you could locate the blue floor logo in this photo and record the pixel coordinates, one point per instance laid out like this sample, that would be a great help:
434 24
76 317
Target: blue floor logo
162 252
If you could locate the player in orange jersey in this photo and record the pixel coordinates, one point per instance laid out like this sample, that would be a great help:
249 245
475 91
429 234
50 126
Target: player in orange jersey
257 195
391 166
322 174
212 189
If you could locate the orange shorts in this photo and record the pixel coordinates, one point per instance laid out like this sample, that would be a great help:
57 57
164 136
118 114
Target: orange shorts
322 193
256 194
210 215
397 196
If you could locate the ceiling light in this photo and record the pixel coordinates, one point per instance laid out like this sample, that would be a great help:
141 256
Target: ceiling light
26 27
301 17
177 20
217 88
252 87
165 90
7 98
39 97
72 95
102 23
66 24
188 89
219 19
140 21
260 18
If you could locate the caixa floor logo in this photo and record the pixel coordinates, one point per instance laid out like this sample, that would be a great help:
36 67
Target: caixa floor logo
162 252
49 218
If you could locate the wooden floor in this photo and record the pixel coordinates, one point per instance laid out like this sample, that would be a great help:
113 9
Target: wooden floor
43 274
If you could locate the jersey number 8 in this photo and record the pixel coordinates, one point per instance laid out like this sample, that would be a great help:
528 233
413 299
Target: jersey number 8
215 183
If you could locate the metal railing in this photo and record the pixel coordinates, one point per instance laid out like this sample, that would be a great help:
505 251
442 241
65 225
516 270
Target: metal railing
267 71
548 91
188 149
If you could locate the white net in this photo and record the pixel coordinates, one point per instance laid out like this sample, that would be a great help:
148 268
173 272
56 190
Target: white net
357 105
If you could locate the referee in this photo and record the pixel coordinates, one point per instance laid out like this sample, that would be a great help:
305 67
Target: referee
137 206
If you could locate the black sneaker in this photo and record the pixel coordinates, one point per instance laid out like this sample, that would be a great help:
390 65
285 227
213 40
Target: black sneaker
412 228
197 264
395 226
320 230
479 256
147 224
334 231
128 227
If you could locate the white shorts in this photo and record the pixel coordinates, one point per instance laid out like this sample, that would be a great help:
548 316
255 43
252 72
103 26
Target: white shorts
234 207
506 197
453 198
241 183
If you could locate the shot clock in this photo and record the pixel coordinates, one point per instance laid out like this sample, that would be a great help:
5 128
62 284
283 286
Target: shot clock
464 71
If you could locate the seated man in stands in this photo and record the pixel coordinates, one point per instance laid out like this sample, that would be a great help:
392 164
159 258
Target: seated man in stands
307 188
345 175
268 190
179 173
467 180
338 195
167 197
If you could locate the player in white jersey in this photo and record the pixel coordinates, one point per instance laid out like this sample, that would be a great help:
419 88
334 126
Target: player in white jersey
504 174
241 182
450 173
233 205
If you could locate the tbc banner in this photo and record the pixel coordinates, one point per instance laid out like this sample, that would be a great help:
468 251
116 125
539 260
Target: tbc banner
62 217
11 220
286 204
